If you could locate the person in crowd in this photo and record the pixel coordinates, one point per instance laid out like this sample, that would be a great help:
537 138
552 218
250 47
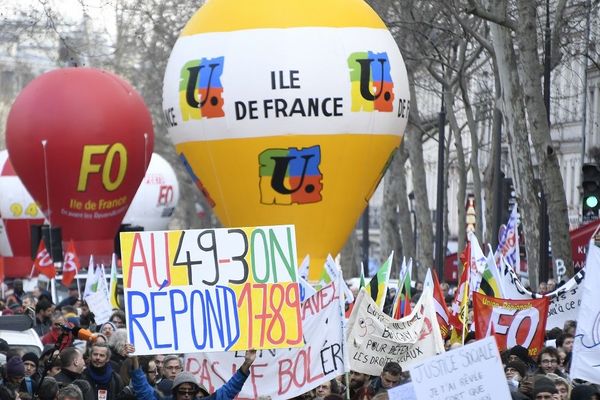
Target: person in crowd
106 383
69 392
356 381
551 285
548 362
390 377
171 367
43 311
28 301
515 371
72 366
14 373
107 329
543 389
30 383
85 387
159 359
585 392
118 319
57 322
72 297
521 353
116 343
565 342
570 327
8 394
186 385
326 388
86 317
562 386
48 388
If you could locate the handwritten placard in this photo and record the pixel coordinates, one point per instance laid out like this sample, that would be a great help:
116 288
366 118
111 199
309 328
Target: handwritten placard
211 289
472 372
286 373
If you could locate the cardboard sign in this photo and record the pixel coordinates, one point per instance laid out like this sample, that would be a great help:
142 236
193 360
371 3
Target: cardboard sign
513 322
286 373
211 289
472 372
374 338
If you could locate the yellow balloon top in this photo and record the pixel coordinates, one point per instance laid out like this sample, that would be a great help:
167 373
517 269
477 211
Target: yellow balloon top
233 15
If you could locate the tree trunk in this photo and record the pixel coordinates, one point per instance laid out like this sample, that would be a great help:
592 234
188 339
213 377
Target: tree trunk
514 115
407 232
419 180
474 162
462 169
539 128
350 257
389 227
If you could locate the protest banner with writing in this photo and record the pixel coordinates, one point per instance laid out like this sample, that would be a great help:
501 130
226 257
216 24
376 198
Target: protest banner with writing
513 322
286 373
375 338
585 363
472 372
211 289
564 301
99 304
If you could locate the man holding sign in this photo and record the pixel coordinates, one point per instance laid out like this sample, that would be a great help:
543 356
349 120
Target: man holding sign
186 386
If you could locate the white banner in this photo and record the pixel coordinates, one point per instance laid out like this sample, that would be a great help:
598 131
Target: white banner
375 338
586 355
472 372
286 373
564 301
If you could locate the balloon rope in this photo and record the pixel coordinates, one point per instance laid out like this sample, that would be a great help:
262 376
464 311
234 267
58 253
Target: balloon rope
44 142
145 152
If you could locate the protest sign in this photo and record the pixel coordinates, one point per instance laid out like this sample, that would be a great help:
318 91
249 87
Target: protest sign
403 392
564 301
472 372
513 322
586 357
211 289
375 338
286 373
99 304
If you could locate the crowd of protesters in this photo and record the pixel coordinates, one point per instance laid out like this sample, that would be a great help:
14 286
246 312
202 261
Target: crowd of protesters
104 369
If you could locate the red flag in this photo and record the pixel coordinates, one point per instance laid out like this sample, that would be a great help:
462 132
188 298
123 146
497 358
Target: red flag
440 307
71 265
43 262
512 322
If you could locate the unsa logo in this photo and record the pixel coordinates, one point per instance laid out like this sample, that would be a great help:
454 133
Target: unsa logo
200 90
371 81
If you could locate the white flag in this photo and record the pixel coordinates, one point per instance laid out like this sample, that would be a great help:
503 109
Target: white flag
586 348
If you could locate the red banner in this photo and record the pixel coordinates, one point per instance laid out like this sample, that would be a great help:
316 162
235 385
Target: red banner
513 322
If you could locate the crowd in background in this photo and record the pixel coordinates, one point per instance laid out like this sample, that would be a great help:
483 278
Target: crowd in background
104 369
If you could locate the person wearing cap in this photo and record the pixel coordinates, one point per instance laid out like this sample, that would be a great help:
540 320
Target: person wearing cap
72 297
30 383
186 385
14 370
544 389
515 371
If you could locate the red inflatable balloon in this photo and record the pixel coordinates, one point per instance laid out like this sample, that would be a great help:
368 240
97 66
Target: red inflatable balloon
81 139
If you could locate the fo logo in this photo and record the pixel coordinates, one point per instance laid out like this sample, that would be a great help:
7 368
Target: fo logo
372 86
290 176
200 90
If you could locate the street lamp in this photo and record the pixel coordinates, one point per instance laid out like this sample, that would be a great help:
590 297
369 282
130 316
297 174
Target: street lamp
411 198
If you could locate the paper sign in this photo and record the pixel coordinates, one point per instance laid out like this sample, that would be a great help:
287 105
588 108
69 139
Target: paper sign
286 373
100 305
403 392
472 372
375 338
211 289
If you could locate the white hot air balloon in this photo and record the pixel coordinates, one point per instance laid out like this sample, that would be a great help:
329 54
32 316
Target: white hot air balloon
154 203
